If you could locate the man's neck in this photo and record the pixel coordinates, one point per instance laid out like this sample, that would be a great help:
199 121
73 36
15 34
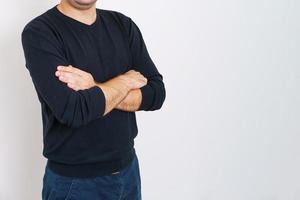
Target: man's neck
87 15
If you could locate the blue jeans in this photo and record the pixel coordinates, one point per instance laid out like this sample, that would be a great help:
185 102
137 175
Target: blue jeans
125 185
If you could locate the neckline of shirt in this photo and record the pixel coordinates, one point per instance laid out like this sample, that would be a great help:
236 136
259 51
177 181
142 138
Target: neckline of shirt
72 20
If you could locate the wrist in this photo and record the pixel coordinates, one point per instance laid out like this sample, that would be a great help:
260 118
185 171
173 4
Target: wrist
124 81
114 84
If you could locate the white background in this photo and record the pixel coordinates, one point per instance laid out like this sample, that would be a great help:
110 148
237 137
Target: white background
229 127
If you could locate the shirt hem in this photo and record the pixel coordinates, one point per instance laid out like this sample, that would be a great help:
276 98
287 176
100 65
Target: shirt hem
91 170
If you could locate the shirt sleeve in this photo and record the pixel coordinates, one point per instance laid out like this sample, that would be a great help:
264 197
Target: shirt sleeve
43 53
153 93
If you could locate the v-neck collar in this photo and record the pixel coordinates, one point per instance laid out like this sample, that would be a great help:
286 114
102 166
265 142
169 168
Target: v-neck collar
72 20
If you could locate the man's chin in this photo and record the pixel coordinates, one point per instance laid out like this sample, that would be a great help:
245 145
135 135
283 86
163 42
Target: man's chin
84 3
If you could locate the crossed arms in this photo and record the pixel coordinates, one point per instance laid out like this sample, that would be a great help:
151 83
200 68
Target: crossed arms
140 89
121 92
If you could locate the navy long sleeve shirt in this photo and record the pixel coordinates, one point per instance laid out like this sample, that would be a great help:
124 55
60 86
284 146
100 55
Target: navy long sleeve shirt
78 140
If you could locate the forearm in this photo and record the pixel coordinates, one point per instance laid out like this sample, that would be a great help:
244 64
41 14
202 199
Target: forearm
115 90
131 102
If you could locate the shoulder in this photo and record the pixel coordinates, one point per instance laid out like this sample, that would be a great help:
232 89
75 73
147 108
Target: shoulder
41 24
42 31
127 23
39 33
116 17
113 13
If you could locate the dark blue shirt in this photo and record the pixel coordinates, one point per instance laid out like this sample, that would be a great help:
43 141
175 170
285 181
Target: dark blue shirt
78 140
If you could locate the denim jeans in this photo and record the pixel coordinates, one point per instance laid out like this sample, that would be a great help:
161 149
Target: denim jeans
124 185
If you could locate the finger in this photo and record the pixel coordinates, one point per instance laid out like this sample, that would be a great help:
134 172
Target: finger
60 76
72 86
63 79
72 69
67 76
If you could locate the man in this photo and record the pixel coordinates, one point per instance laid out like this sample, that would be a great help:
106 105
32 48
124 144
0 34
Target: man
91 71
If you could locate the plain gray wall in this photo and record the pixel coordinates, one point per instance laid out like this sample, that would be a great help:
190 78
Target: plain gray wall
229 127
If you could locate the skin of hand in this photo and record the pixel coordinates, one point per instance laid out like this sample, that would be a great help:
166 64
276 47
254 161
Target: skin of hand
75 78
131 102
78 79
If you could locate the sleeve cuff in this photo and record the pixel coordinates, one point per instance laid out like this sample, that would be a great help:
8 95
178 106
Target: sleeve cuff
99 101
147 97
